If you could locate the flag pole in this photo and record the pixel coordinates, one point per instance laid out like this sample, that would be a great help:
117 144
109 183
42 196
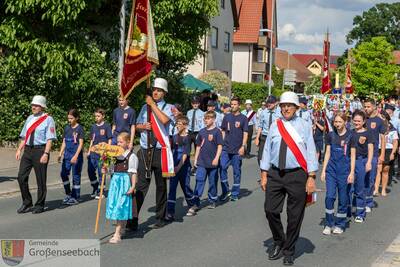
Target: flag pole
122 15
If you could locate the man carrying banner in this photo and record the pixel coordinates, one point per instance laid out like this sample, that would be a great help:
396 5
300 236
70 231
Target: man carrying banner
37 137
288 167
160 163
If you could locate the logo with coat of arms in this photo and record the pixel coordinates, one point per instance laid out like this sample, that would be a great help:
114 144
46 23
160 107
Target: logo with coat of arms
373 125
12 251
237 124
362 140
210 137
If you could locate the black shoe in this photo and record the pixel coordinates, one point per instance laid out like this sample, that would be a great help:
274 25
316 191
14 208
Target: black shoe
288 260
159 224
275 252
24 208
37 210
132 225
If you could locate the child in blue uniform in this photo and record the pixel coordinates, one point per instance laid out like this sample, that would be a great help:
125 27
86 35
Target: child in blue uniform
181 151
71 150
362 146
100 132
124 120
235 132
337 172
122 186
208 151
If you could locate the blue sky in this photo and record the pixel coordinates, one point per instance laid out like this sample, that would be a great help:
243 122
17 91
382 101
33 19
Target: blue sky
303 23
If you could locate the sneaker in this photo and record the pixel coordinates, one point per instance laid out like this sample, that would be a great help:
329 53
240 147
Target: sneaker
169 217
234 198
66 199
368 209
72 201
192 211
337 230
98 195
94 193
225 197
212 205
359 219
327 230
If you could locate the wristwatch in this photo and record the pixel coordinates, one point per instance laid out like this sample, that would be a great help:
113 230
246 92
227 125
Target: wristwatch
312 176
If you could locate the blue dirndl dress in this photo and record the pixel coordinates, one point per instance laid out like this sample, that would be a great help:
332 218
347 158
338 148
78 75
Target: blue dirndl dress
119 204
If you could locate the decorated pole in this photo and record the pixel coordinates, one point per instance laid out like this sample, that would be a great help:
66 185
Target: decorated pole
326 82
107 155
349 83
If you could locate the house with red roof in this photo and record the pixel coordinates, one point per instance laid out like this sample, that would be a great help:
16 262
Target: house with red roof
313 62
252 52
218 42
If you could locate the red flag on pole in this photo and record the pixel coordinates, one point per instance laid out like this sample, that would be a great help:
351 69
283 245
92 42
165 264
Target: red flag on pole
326 80
140 48
349 83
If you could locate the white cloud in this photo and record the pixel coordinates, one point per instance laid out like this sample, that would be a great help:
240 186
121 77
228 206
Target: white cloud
302 24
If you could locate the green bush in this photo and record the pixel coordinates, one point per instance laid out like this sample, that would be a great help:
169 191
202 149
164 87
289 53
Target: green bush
257 92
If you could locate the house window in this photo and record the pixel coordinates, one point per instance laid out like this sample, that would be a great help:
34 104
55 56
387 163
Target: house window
260 55
257 78
223 3
227 41
214 37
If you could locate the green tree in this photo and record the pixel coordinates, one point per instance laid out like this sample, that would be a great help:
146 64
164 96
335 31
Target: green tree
374 71
219 81
380 20
66 50
313 86
179 27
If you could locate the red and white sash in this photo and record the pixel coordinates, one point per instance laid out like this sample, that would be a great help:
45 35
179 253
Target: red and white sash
250 115
167 159
294 142
33 125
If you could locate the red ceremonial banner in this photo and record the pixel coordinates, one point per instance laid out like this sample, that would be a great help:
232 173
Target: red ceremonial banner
140 49
326 80
349 83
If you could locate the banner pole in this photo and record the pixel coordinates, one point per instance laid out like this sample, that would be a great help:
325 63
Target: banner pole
121 56
99 203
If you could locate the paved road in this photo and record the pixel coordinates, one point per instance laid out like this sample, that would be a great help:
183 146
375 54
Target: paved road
234 234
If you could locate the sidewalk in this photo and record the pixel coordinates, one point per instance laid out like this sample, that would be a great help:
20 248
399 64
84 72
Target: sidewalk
9 172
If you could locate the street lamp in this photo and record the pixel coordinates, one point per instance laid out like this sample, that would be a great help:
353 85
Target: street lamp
270 59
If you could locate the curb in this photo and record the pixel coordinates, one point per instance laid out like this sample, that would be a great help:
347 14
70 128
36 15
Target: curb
14 192
391 256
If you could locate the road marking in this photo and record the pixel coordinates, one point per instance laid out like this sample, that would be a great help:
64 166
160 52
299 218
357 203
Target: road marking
391 256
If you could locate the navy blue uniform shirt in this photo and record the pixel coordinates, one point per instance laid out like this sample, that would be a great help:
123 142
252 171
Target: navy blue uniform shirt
180 146
100 133
376 126
234 126
123 119
360 142
333 138
71 137
208 140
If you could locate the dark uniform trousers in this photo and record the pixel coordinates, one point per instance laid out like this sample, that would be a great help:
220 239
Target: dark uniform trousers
143 183
293 184
249 139
31 158
193 136
261 145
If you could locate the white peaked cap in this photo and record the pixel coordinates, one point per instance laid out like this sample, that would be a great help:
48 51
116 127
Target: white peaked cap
39 100
161 83
289 97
